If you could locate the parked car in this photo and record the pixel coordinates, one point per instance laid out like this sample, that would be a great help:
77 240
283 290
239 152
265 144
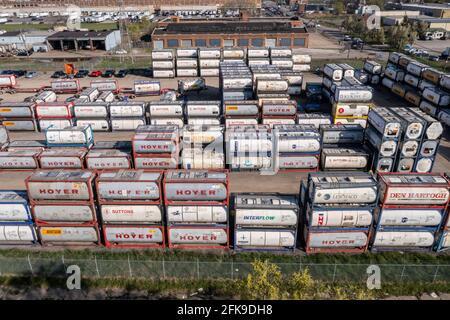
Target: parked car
121 74
433 58
82 73
19 73
58 74
95 73
31 74
109 73
347 38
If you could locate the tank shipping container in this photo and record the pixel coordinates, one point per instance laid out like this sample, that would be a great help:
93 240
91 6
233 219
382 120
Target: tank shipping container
326 188
341 133
412 80
69 235
163 64
19 124
413 97
209 53
155 161
54 110
385 146
108 159
17 109
348 71
196 214
315 119
62 158
45 97
416 68
333 71
8 81
432 75
198 237
351 109
413 127
127 109
64 213
353 94
147 88
101 125
405 164
424 164
133 236
194 186
394 73
385 122
241 108
372 67
336 241
70 185
167 121
445 82
300 59
209 72
233 53
66 86
403 240
164 73
394 57
409 217
90 94
19 160
131 214
91 110
118 145
187 53
414 189
434 128
271 85
70 137
264 239
153 142
203 108
106 96
160 54
126 124
14 206
105 85
258 52
324 217
279 108
17 233
37 145
437 96
123 186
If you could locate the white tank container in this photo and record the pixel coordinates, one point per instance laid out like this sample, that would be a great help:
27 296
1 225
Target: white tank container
333 71
301 67
301 59
258 62
282 63
105 96
167 121
197 214
294 161
17 234
337 239
90 94
14 206
445 82
340 218
359 121
413 97
444 116
197 236
265 238
271 85
69 135
425 84
65 85
436 96
54 213
209 53
187 72
280 52
412 80
424 165
147 87
266 217
163 64
241 108
388 83
428 107
130 109
416 68
54 110
155 143
91 110
240 121
162 55
46 96
203 121
233 53
385 122
353 94
187 63
17 109
126 124
96 124
258 53
105 85
139 235
409 148
394 74
163 73
7 81
19 124
237 82
372 67
154 162
403 239
187 53
107 159
386 148
203 109
351 109
19 159
434 128
209 63
128 185
68 234
62 158
410 217
280 108
123 214
394 57
209 72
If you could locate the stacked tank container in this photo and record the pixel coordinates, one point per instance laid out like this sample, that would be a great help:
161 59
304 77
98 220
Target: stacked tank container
63 207
187 62
338 211
374 70
197 205
249 147
412 208
235 81
209 61
265 222
232 55
300 62
279 112
131 211
297 147
383 135
18 116
68 137
342 147
294 79
108 159
62 158
258 56
315 119
106 85
241 112
281 57
443 238
18 160
54 114
95 114
127 115
163 63
203 147
166 113
156 147
203 112
16 223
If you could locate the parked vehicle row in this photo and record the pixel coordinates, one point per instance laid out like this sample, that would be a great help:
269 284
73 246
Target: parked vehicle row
109 73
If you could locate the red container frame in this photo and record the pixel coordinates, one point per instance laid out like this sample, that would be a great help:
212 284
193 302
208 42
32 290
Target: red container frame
78 89
69 244
132 201
303 170
43 223
364 249
382 182
90 182
81 158
130 163
68 106
111 244
198 246
36 159
117 90
156 155
175 140
225 202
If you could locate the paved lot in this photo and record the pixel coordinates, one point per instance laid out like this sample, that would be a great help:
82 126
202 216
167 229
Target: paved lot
240 182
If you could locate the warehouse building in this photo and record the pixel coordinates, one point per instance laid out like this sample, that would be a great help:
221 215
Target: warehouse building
250 33
36 40
88 40
434 23
436 10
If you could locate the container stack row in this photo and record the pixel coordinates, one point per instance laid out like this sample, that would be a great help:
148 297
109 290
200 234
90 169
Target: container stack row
163 63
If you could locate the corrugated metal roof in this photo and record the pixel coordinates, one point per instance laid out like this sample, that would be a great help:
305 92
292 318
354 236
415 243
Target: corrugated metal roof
79 34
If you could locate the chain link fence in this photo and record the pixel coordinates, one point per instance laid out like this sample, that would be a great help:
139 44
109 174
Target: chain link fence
169 269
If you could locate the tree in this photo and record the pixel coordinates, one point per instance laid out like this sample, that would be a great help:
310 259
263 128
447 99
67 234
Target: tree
264 282
339 6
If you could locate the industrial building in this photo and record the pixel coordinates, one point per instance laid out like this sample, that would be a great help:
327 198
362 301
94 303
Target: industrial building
251 33
435 10
90 40
36 40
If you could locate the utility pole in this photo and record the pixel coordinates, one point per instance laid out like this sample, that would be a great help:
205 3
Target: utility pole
125 35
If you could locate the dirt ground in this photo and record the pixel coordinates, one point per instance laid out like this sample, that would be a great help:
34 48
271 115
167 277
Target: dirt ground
240 181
